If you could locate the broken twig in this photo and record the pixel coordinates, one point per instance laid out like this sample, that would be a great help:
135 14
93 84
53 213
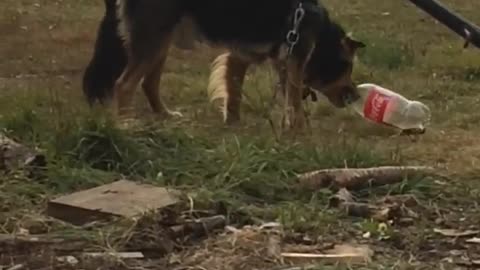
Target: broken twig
456 233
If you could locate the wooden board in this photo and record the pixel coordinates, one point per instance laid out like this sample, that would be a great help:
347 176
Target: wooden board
120 198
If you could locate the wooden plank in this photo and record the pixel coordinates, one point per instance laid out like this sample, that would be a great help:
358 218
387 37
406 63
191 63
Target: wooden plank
120 198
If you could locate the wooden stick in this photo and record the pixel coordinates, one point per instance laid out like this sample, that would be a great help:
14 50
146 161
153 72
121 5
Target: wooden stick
319 256
122 255
56 243
359 178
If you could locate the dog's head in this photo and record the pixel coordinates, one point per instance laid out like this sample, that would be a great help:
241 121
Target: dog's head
329 69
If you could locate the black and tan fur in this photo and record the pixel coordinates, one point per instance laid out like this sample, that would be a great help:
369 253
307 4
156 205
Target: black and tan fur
251 31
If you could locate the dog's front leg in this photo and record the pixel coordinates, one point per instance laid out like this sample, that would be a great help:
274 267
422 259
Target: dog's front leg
294 115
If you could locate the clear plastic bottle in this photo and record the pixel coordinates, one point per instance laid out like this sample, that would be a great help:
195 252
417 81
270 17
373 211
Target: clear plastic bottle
384 106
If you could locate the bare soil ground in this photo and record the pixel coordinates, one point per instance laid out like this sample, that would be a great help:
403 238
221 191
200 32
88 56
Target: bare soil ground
241 172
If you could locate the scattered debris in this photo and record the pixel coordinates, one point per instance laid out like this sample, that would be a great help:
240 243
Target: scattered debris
15 156
55 243
237 248
266 247
340 253
358 178
406 221
469 263
456 233
345 201
342 196
406 200
23 232
17 267
121 198
474 240
199 227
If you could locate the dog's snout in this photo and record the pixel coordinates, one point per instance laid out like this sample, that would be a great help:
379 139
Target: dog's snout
350 94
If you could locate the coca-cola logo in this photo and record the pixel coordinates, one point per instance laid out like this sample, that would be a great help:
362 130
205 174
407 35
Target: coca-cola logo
375 106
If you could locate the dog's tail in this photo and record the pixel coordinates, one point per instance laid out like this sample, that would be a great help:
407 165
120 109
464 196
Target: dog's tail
109 58
226 80
217 84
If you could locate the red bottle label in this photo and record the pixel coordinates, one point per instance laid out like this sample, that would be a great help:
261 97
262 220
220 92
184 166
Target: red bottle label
375 106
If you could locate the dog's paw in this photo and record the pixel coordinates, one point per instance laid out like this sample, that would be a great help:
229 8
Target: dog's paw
166 114
174 114
127 123
231 120
293 121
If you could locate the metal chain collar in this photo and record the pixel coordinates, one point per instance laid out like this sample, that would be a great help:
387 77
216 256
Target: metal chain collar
293 35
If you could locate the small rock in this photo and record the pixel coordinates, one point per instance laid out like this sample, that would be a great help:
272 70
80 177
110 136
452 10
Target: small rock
406 221
68 259
439 221
23 232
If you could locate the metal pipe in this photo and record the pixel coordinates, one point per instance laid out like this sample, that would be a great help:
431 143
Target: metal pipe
469 31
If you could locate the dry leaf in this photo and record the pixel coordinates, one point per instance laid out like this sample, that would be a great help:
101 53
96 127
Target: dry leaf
455 233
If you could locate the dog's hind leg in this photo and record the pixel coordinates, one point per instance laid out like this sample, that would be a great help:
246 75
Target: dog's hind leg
126 85
146 28
151 82
226 81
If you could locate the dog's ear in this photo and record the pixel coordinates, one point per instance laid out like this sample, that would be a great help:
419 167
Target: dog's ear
353 44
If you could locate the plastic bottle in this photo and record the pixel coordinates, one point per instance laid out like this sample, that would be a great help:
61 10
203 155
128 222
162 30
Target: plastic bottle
384 106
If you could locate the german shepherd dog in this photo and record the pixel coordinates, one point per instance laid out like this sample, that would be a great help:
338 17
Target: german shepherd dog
307 48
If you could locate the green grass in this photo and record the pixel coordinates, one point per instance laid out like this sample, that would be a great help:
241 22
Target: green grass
237 169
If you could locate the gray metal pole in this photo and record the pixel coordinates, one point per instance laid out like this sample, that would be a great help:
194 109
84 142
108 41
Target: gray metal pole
469 31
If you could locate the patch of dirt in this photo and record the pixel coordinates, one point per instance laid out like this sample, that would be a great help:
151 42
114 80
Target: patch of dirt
414 242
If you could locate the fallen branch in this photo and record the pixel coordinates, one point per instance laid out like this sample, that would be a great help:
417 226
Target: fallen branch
352 179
